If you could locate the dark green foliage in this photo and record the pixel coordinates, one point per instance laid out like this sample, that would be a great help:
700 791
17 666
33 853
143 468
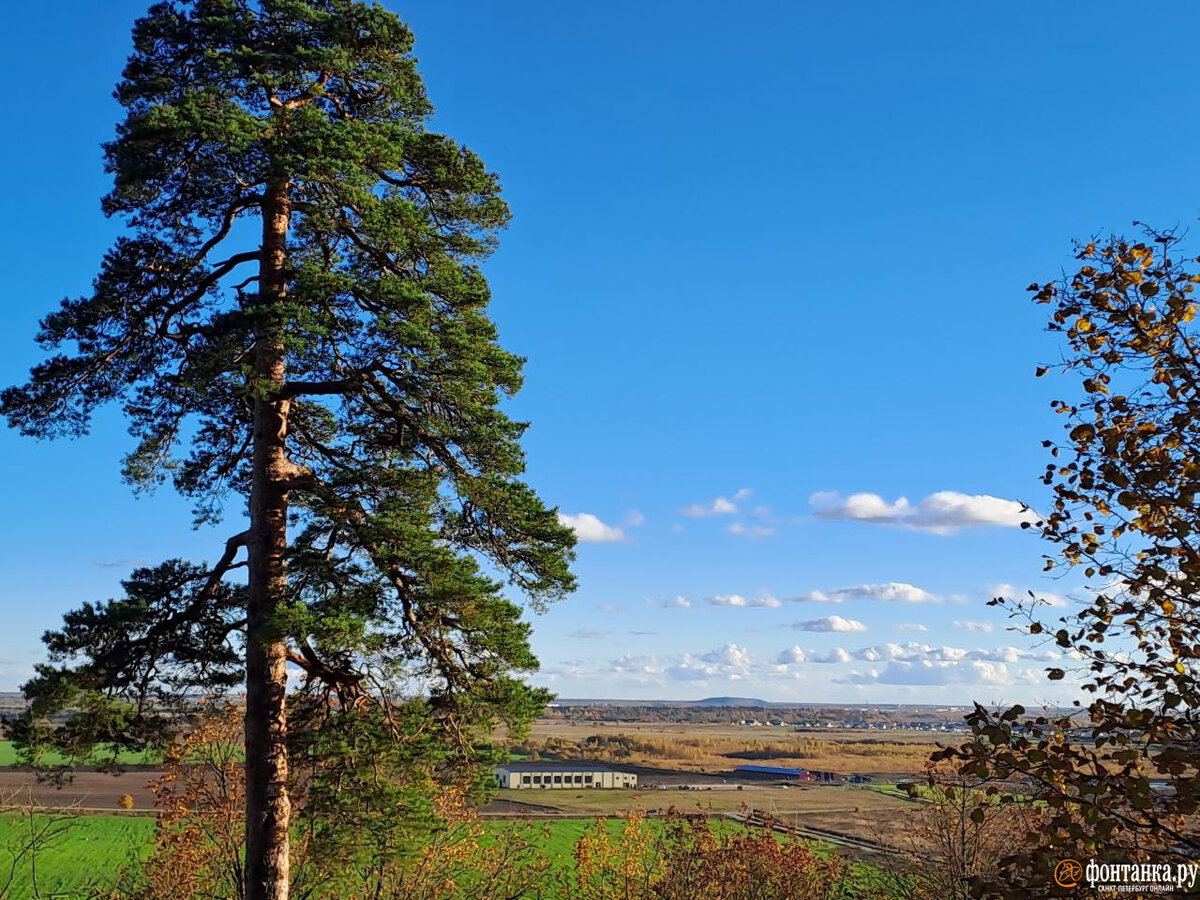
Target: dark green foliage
403 472
368 797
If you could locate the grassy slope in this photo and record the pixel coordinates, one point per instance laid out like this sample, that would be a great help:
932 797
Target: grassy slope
93 849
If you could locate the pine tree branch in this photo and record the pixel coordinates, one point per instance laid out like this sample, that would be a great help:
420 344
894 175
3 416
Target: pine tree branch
316 388
224 564
242 204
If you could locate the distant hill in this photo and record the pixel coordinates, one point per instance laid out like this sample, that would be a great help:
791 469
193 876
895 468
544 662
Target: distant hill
738 702
753 703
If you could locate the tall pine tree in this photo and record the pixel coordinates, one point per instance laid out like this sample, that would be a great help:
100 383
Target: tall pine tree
296 316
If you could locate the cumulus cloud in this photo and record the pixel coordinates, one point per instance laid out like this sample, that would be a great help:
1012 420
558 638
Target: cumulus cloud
635 664
830 623
915 652
933 672
891 592
836 655
718 506
731 662
1012 655
984 627
882 652
817 597
792 656
739 600
917 663
943 512
678 602
727 663
729 655
913 626
590 530
911 664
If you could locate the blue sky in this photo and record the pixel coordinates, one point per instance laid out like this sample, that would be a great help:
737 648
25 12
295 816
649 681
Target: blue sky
760 252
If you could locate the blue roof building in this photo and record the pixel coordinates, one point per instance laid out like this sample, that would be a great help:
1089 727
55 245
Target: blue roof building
772 772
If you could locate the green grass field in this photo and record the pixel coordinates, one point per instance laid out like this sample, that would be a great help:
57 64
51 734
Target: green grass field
8 757
90 851
87 854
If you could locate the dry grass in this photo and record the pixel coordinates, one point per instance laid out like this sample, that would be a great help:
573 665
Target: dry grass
715 748
847 809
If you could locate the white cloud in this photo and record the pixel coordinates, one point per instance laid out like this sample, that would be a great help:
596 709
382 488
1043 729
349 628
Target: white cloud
915 626
739 600
891 592
1012 592
1000 654
943 512
984 627
730 662
932 672
635 664
590 530
729 655
792 656
913 651
939 654
830 623
751 531
922 670
861 507
718 506
836 655
816 597
882 652
678 602
633 519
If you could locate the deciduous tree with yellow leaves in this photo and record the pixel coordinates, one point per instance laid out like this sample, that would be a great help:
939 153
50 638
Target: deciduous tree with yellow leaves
1119 776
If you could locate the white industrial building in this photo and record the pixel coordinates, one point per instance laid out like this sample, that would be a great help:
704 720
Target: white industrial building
562 776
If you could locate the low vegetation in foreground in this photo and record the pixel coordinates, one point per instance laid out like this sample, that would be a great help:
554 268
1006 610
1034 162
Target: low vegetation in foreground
108 857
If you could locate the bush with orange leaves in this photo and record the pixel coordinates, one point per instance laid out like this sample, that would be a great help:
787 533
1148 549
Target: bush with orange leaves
691 857
201 808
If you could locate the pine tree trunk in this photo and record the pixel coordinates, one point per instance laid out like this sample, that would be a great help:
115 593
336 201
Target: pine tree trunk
268 806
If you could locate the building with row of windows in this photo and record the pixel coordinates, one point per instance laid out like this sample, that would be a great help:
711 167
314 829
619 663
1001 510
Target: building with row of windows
562 776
